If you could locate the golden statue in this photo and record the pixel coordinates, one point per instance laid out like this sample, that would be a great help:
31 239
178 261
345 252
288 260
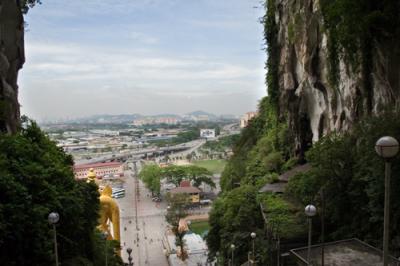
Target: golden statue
91 176
109 211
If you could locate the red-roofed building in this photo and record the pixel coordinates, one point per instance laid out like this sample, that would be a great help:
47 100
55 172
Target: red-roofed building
101 169
186 188
185 183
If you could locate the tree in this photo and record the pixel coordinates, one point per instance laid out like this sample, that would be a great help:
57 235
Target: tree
151 177
174 174
152 174
347 167
36 178
176 211
199 175
232 219
190 156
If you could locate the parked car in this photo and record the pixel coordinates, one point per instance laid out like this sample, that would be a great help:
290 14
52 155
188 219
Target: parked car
156 199
205 201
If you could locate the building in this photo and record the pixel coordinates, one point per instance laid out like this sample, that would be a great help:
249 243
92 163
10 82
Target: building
101 169
156 120
244 121
207 133
186 188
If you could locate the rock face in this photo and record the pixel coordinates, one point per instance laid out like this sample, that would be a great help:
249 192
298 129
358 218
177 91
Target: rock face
313 106
11 60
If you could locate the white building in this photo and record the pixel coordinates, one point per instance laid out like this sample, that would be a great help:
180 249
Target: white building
207 133
244 121
101 169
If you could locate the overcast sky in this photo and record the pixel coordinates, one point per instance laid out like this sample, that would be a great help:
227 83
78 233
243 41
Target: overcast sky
142 56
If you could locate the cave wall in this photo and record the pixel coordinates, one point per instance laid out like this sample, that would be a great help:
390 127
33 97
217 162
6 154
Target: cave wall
12 58
308 99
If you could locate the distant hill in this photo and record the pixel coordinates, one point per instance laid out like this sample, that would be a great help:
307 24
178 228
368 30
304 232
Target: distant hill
106 119
199 113
129 118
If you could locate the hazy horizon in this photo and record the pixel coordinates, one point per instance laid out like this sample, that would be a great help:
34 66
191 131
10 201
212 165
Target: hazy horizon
148 57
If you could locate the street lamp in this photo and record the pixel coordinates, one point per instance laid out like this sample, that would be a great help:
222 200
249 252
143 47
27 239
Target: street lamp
310 211
129 251
233 249
387 148
253 236
53 218
105 236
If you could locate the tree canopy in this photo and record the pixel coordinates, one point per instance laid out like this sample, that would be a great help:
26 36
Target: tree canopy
36 178
232 219
176 211
152 174
347 167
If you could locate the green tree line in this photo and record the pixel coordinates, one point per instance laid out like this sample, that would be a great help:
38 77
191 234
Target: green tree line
152 174
36 178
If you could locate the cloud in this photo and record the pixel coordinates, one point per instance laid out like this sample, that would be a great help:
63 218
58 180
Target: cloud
79 64
143 38
141 56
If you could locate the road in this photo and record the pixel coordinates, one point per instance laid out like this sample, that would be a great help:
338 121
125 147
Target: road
176 155
144 222
139 153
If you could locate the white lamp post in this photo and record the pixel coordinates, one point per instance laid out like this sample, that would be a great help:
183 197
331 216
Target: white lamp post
233 249
53 218
253 236
310 211
386 147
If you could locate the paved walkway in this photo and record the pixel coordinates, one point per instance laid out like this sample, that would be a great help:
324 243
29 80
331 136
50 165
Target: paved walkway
142 225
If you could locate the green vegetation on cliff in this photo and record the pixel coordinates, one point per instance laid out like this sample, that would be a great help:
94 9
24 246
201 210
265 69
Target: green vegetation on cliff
354 28
344 166
262 152
263 148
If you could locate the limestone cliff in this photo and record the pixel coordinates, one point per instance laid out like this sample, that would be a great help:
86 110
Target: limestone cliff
11 60
316 91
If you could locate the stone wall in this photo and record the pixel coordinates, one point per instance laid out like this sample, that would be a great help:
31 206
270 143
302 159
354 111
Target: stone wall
313 106
12 58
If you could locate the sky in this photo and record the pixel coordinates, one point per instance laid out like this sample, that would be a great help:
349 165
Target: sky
142 56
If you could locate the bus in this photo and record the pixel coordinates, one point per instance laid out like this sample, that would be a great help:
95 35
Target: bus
118 193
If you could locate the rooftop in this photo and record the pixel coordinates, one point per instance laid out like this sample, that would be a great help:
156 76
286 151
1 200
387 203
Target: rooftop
96 165
185 190
274 187
279 187
349 252
296 170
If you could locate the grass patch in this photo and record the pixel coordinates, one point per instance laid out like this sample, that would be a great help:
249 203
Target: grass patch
214 166
200 228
